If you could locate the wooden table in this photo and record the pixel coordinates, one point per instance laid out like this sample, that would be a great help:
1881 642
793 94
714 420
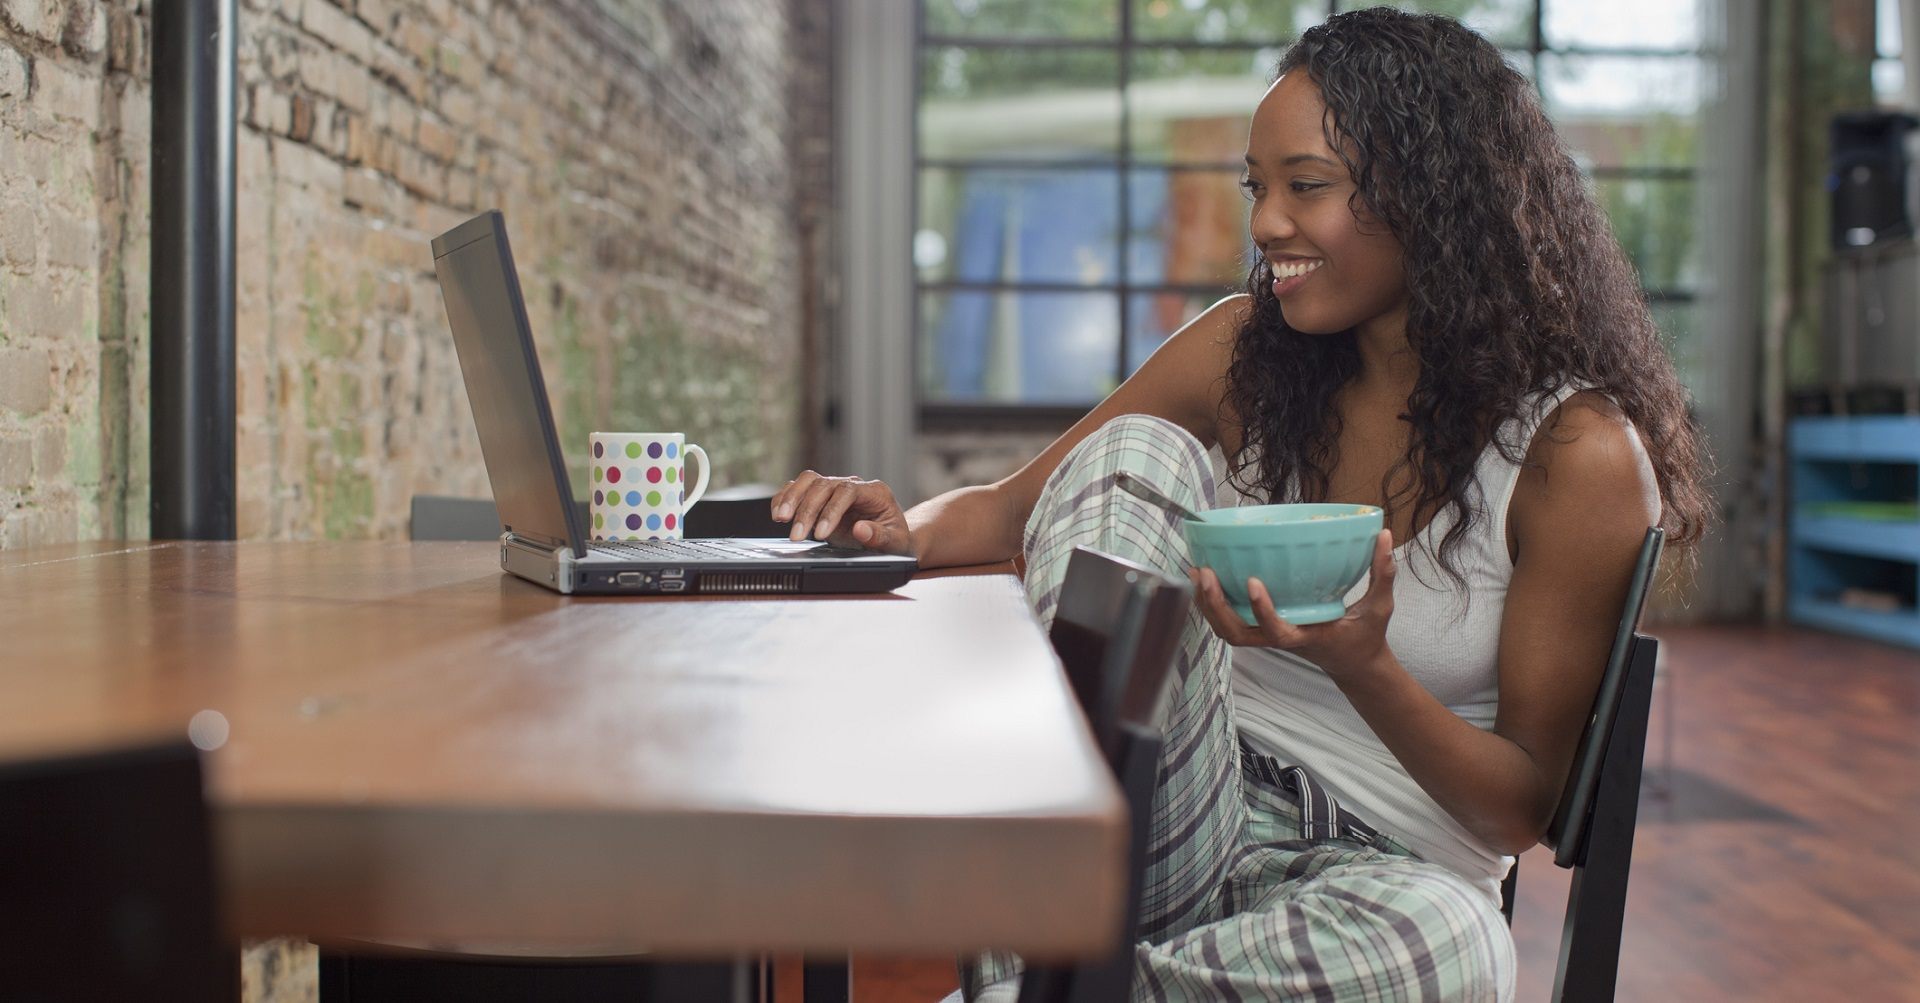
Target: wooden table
419 748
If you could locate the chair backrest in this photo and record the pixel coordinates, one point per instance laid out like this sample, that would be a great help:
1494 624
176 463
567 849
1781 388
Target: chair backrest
1572 820
106 871
442 517
1592 829
742 510
1115 629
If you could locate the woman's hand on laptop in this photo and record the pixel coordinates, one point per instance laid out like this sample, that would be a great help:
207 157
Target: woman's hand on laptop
844 511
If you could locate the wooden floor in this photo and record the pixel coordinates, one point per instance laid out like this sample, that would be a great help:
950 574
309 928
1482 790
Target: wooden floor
1777 859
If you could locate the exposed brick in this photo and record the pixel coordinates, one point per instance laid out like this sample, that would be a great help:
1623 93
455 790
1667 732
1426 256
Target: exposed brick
300 127
459 107
399 71
26 380
39 18
418 174
417 38
379 15
72 240
50 453
39 310
33 157
358 139
437 140
19 233
85 32
41 524
280 55
126 40
13 73
460 63
336 28
461 189
16 462
70 93
368 190
270 110
352 83
322 138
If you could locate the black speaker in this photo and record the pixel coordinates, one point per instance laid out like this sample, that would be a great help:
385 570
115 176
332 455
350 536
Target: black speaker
1867 177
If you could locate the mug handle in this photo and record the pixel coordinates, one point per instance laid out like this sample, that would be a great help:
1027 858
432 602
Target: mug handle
706 470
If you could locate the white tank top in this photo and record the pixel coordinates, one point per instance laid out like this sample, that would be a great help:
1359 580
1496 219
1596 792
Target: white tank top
1289 709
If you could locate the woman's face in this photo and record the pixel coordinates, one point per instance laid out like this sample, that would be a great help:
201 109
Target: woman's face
1332 270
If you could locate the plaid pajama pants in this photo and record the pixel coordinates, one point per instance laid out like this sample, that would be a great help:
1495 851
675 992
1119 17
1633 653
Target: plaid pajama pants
1258 886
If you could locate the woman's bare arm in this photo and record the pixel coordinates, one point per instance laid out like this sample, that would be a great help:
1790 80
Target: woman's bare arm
1585 499
1182 382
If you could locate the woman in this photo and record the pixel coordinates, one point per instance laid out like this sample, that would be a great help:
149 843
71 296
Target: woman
1441 324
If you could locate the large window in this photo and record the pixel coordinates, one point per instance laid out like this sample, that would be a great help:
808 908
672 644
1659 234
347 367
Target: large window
1077 165
1889 74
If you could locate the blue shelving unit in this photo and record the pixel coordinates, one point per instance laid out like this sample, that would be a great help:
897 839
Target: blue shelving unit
1850 460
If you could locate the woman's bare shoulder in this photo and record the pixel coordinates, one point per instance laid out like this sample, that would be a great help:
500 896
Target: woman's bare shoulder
1588 466
1186 376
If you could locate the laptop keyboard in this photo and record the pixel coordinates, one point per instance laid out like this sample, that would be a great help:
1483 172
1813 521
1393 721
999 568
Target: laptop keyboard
657 550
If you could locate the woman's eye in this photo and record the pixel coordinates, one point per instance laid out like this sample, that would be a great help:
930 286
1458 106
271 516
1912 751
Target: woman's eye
1251 187
1306 186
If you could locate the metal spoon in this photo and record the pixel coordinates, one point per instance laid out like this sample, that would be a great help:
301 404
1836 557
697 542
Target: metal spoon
1128 483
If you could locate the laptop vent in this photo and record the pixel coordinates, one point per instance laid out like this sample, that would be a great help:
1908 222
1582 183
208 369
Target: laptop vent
740 582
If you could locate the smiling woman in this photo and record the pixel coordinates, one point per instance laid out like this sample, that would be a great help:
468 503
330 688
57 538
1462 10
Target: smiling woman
1303 216
1439 326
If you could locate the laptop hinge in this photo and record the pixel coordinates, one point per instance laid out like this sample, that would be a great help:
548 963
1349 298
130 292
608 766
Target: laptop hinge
538 561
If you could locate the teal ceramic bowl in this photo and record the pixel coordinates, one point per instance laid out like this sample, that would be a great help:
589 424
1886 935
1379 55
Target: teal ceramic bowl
1308 555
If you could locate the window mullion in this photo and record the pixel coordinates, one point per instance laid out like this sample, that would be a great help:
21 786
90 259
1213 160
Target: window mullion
1125 188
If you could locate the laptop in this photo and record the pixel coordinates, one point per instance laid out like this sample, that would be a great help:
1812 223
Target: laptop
542 536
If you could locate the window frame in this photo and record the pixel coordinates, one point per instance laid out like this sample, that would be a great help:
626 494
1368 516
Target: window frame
1124 44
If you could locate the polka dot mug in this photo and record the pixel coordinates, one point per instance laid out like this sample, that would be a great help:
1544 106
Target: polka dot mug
640 485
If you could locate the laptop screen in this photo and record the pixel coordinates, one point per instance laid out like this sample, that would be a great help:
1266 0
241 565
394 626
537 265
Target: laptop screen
495 345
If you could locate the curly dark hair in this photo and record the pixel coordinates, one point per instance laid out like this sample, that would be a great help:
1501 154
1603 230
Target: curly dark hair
1449 148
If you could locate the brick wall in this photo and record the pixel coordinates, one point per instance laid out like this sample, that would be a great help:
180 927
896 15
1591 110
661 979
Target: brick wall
663 166
62 94
642 151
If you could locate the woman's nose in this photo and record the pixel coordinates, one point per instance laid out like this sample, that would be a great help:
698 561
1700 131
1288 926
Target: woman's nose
1270 222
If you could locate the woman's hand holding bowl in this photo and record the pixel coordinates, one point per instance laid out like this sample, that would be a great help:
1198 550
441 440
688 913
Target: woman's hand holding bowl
1352 644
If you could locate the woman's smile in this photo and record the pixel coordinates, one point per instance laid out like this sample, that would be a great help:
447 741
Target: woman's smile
1291 274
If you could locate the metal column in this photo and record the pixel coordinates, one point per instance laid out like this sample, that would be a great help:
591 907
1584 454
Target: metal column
192 272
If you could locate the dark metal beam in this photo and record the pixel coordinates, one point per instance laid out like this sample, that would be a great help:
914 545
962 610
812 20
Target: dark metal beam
192 270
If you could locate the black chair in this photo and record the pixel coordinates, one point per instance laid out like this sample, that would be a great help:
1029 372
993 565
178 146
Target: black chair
744 510
107 875
1115 630
1592 829
443 517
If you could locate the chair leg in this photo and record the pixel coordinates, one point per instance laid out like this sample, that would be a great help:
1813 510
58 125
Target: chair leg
827 981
